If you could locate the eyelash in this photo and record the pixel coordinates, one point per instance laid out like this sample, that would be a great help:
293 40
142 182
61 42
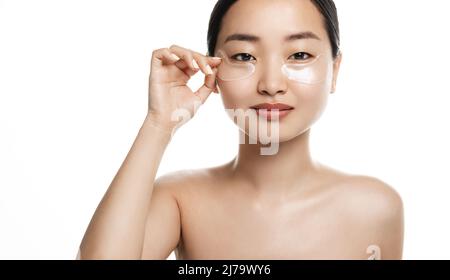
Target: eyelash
246 54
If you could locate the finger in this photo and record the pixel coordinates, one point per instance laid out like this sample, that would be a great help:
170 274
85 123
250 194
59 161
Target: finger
214 61
210 82
199 61
163 56
213 82
206 63
208 86
186 55
183 66
203 63
203 93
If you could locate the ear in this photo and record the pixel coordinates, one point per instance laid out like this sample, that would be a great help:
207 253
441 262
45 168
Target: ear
336 67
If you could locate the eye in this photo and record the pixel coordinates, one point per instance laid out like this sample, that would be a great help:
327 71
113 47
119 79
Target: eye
302 56
245 57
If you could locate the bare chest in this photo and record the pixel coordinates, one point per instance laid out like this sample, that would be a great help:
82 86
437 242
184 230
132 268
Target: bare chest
218 226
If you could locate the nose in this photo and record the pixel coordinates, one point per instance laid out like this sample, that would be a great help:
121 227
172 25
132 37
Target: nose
272 81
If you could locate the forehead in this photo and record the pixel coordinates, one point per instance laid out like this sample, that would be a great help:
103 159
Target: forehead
272 20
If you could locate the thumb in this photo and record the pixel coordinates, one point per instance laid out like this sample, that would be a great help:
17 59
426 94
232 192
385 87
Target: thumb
208 86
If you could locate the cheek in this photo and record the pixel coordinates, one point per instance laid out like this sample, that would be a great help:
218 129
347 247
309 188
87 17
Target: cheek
311 101
237 94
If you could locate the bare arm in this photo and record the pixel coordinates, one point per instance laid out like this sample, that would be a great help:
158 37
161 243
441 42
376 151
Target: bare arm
118 225
136 214
163 224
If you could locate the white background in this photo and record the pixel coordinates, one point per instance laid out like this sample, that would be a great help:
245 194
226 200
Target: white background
73 94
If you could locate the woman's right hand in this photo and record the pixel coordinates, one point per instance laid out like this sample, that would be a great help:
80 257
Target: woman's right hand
171 101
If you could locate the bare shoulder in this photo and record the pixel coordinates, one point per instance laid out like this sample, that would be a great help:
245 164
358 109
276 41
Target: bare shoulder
372 196
373 210
362 192
176 178
185 180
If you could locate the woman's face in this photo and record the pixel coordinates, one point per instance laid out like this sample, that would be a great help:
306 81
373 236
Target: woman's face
271 22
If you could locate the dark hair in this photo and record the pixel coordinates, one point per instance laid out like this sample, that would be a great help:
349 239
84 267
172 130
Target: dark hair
326 7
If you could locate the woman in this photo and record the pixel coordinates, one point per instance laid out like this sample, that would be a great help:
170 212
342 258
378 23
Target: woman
276 62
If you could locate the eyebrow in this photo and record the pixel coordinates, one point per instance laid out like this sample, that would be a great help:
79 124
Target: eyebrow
255 39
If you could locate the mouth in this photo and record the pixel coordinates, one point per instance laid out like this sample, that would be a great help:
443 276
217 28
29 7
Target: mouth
272 111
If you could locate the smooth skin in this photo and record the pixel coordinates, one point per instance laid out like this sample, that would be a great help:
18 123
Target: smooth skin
283 206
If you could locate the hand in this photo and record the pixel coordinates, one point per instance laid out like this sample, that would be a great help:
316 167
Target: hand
169 96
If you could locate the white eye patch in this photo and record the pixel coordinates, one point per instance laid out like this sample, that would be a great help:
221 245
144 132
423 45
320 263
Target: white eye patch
315 71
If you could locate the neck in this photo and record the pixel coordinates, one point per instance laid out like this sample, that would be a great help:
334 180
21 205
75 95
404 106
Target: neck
279 173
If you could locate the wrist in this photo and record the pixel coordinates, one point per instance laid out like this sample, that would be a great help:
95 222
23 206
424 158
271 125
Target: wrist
165 126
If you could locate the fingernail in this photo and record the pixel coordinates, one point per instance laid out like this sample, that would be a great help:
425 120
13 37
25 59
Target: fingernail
195 64
217 58
175 57
209 70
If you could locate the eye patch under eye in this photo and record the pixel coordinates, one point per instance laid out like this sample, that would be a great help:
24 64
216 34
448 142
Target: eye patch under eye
314 71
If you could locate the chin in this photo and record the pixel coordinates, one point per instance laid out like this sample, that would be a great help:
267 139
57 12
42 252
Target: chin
283 132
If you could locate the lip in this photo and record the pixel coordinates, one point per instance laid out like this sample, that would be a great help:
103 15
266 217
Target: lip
271 111
273 106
